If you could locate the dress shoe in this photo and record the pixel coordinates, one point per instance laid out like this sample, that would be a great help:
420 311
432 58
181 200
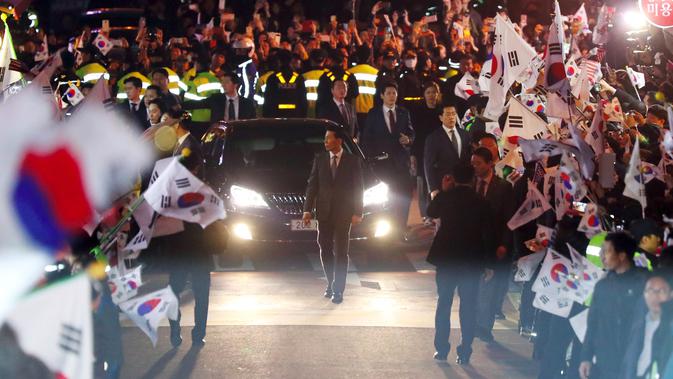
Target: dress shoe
200 342
176 338
328 293
337 298
439 356
464 354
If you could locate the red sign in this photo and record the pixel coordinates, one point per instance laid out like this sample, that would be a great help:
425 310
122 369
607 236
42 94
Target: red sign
658 12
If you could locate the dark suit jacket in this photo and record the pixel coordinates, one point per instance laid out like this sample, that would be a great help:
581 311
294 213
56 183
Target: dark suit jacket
217 105
465 229
439 156
377 139
499 196
194 160
337 199
139 117
330 111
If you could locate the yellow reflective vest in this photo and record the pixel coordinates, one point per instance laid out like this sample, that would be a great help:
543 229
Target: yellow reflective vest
311 81
366 77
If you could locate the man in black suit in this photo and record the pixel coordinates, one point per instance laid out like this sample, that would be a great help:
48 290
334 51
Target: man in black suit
388 131
499 194
133 107
335 190
227 106
444 148
188 257
339 110
459 253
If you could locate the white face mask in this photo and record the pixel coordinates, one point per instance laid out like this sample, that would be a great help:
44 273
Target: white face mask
410 63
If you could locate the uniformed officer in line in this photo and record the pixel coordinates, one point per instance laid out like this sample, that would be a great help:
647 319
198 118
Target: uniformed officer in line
387 74
411 92
285 94
336 71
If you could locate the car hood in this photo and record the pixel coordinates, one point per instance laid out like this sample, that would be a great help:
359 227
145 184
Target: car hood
272 181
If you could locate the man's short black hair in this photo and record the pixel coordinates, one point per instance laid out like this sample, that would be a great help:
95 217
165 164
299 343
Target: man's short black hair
484 154
643 228
388 84
659 112
159 103
231 75
483 135
622 243
161 71
135 81
337 130
449 105
463 173
153 88
337 81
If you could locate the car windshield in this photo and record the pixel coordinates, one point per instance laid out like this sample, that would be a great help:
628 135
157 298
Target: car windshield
274 148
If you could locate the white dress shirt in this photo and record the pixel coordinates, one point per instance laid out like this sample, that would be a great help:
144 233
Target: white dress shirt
226 107
450 133
338 159
385 116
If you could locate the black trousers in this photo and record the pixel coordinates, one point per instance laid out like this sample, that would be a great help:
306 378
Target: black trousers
199 274
466 279
491 296
333 239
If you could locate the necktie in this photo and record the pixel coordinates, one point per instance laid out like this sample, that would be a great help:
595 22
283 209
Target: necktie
342 109
391 119
481 187
232 111
333 166
134 107
454 141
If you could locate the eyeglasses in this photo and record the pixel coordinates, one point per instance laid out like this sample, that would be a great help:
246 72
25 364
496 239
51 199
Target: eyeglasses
657 291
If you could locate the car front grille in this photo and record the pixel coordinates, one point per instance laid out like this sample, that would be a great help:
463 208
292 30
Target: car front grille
288 203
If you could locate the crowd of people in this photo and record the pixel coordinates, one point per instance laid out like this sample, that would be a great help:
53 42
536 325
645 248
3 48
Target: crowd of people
395 81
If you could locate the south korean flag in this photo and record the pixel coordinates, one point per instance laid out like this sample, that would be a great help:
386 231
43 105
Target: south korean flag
177 193
103 44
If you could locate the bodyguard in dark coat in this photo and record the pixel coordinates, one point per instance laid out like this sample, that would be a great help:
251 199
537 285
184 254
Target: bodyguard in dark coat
459 251
335 189
339 109
613 305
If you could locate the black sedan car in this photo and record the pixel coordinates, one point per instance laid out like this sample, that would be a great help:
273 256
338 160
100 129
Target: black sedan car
261 168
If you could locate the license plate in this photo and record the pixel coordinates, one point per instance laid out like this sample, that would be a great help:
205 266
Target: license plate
298 226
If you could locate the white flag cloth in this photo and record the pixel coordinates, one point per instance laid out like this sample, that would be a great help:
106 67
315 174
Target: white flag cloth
526 266
634 182
545 235
179 194
511 57
148 311
581 16
572 72
145 218
533 207
601 34
534 150
591 222
521 122
467 86
595 137
548 280
484 79
612 110
73 94
7 77
42 52
103 44
20 270
569 186
555 71
591 273
54 324
553 303
560 107
512 159
637 78
651 172
589 74
533 102
585 155
124 287
579 324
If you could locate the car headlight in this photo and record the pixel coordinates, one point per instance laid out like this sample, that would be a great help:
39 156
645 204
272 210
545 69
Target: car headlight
376 195
247 198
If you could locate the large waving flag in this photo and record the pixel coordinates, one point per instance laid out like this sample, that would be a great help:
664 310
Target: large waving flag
591 221
179 194
595 137
534 150
19 272
148 311
532 208
8 77
467 86
521 123
54 325
555 70
526 266
511 57
634 180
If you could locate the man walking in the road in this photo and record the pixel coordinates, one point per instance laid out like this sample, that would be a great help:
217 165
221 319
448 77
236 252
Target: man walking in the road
335 191
459 253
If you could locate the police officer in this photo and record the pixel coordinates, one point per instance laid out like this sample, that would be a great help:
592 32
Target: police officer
337 71
411 92
312 78
388 73
365 75
246 69
285 94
